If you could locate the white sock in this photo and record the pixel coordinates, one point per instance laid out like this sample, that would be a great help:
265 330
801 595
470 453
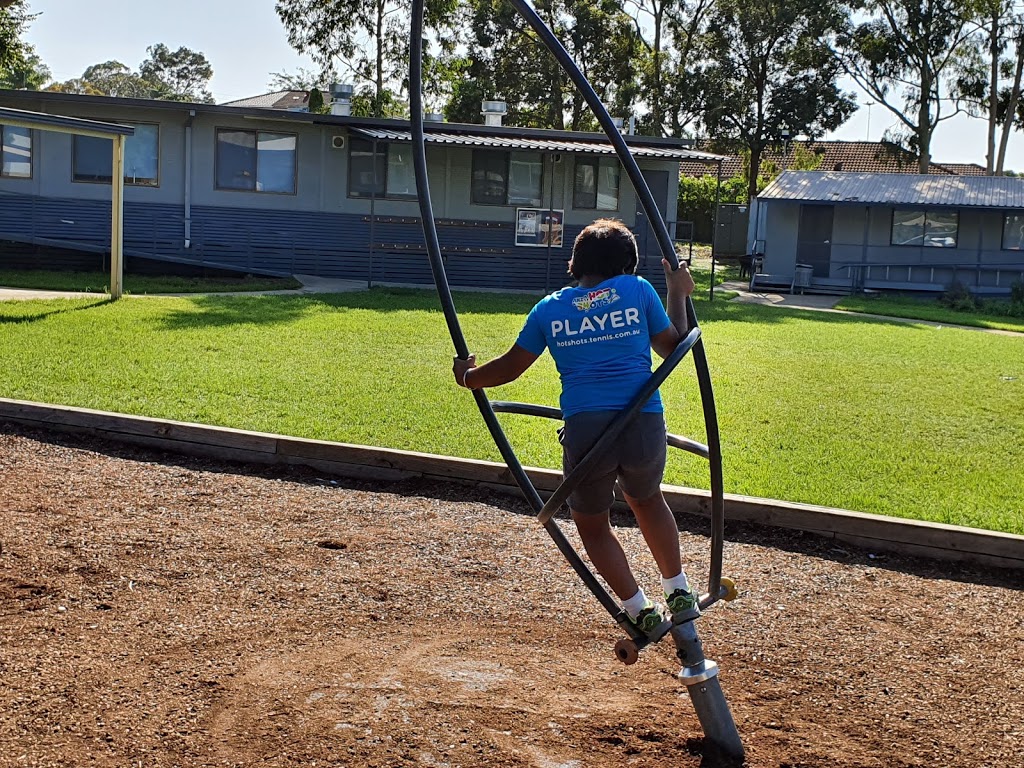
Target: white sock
676 582
635 604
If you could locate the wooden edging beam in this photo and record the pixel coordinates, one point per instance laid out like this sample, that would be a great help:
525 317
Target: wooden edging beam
875 532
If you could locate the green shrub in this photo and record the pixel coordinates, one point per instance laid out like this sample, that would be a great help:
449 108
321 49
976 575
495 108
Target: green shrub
1017 293
957 297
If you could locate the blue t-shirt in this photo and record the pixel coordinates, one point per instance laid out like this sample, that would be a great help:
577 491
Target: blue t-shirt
600 339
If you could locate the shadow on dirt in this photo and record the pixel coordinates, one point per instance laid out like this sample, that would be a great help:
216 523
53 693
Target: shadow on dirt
798 542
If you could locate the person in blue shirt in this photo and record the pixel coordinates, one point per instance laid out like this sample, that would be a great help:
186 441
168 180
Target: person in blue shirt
600 333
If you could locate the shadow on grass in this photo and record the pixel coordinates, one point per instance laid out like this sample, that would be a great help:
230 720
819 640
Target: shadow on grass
744 312
220 311
31 317
796 542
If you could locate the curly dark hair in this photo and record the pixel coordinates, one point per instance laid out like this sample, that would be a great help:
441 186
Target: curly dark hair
605 248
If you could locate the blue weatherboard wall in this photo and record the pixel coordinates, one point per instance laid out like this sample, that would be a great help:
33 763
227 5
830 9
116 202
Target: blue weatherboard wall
478 254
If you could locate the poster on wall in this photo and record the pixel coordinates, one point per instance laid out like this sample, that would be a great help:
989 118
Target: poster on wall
539 227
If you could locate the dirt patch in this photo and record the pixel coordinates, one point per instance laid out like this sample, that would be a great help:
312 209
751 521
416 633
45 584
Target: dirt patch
159 611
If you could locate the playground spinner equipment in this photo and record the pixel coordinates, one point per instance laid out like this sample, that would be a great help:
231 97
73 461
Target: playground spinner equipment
699 675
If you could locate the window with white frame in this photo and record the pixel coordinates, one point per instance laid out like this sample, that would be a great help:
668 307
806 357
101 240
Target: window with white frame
388 172
256 161
930 228
506 178
15 152
93 157
596 183
1013 232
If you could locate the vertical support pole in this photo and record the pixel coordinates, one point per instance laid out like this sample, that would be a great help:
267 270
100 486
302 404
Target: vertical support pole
117 219
188 180
700 676
714 228
551 208
373 214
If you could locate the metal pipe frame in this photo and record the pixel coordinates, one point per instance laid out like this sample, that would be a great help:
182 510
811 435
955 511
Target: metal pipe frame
692 342
709 702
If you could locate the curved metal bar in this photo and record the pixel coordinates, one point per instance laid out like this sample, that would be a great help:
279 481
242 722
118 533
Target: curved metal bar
707 396
668 251
451 317
554 45
618 424
716 720
547 412
688 445
455 330
527 409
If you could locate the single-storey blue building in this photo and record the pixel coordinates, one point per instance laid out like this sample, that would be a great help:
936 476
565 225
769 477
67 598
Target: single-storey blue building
288 192
838 232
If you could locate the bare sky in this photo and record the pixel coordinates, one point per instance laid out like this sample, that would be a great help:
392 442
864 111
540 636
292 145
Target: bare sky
245 42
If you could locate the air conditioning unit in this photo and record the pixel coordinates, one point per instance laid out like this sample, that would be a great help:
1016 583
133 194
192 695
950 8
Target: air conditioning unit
338 142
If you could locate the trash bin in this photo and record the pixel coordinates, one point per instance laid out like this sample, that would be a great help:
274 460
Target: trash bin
801 277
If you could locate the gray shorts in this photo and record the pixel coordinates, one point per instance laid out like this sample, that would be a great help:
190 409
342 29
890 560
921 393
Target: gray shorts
636 459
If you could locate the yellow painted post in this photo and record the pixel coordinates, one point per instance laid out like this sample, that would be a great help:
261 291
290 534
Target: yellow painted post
117 220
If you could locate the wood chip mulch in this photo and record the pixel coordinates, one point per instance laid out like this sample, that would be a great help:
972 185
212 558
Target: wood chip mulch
158 610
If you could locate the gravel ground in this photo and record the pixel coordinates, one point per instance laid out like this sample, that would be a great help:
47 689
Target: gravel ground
165 611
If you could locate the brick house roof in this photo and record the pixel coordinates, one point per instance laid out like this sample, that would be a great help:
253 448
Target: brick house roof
852 156
276 100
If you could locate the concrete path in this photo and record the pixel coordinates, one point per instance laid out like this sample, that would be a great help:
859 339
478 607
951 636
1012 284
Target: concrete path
20 294
310 284
823 303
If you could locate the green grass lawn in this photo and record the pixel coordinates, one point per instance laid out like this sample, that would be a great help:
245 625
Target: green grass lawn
837 410
99 282
933 311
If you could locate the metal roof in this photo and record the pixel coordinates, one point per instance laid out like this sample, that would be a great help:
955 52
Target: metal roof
457 133
44 120
598 146
898 189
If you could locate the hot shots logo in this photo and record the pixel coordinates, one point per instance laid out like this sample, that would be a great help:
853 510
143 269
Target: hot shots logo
602 297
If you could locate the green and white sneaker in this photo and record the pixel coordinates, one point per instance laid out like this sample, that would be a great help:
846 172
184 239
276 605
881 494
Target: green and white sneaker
651 620
683 606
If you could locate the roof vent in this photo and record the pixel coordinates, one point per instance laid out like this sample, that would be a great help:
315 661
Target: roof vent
341 99
493 111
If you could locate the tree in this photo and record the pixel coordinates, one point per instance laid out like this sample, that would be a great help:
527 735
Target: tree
110 78
603 41
505 59
12 23
181 75
905 56
768 68
30 74
989 81
20 65
302 80
365 41
669 31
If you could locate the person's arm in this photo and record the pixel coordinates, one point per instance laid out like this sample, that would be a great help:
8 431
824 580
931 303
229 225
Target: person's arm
501 370
680 286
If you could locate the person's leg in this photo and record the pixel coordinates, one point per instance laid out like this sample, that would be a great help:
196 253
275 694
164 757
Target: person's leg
606 553
590 502
640 481
658 526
